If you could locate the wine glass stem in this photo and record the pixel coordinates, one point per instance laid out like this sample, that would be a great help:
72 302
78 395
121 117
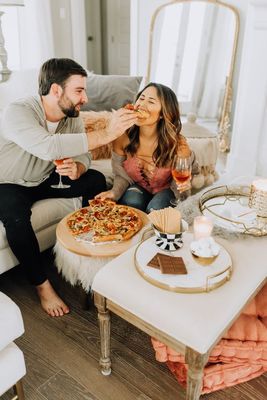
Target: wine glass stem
178 199
60 182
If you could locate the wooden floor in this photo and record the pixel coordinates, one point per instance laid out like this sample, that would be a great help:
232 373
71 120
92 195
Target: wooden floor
62 354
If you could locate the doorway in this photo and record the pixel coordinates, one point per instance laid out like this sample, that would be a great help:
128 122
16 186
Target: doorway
108 36
93 14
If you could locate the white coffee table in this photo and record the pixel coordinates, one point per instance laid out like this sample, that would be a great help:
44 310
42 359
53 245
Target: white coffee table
189 323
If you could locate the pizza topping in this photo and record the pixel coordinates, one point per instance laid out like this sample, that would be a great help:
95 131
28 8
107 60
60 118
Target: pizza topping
106 220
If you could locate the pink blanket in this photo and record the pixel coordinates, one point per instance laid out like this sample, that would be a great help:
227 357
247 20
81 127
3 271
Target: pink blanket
241 354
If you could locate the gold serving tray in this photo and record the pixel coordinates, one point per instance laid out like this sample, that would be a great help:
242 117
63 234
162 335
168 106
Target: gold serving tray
229 209
200 277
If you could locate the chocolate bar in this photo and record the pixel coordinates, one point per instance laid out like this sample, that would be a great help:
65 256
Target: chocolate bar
171 265
154 263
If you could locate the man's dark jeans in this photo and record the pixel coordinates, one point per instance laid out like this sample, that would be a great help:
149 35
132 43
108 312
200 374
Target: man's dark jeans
15 213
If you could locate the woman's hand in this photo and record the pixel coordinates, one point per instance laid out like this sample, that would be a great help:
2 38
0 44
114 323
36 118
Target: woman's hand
105 195
182 187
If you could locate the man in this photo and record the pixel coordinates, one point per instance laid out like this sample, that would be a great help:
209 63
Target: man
35 131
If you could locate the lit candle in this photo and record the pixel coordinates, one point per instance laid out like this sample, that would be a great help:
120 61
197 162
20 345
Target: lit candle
202 227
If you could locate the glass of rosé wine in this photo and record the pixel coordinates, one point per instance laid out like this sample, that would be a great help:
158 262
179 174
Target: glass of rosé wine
60 185
181 173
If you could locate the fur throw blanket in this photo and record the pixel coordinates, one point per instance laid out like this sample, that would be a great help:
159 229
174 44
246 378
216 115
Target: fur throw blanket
240 356
94 121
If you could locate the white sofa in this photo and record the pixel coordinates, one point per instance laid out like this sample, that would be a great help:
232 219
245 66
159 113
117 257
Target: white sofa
12 364
45 216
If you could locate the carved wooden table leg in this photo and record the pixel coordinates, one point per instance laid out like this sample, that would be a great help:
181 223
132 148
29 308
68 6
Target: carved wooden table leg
18 390
196 363
104 326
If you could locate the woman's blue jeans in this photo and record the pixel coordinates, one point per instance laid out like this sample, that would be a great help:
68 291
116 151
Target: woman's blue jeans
138 197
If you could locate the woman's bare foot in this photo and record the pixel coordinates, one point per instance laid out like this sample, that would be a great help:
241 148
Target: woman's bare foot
50 301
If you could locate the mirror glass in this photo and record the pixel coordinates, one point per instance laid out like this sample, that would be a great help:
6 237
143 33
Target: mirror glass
192 50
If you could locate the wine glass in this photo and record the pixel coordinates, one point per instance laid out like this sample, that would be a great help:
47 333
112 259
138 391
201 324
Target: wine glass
181 173
60 185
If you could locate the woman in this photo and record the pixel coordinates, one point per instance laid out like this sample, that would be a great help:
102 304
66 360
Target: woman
143 156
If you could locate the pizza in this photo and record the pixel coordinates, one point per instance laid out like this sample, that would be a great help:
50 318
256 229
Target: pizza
142 114
106 221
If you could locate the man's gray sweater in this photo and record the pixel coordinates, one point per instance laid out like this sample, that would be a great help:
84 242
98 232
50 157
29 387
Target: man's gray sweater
27 148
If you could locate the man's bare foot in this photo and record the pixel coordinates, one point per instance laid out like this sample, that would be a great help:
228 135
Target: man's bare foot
50 301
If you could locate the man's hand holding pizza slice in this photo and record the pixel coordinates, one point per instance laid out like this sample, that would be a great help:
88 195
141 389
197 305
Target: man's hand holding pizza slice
140 113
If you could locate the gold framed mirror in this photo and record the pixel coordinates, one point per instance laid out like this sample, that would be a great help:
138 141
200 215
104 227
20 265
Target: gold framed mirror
192 49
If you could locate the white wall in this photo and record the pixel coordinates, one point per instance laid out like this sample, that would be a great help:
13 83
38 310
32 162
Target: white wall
241 6
69 33
61 25
249 141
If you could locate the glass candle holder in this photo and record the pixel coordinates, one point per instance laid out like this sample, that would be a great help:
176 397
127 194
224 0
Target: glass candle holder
202 227
258 197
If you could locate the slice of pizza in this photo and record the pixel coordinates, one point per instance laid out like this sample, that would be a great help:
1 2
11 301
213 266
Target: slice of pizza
122 224
106 231
142 114
101 208
80 221
98 204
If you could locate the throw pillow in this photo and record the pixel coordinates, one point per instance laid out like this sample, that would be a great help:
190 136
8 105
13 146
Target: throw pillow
94 121
107 92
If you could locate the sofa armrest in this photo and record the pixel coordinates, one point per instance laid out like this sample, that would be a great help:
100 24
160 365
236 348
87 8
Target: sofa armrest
11 322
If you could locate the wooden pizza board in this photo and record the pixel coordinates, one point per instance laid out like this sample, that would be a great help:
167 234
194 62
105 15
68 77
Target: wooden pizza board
99 249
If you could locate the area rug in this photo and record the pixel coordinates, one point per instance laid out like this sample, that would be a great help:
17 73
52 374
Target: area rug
77 269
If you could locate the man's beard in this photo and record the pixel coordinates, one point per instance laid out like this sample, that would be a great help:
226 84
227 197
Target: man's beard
67 107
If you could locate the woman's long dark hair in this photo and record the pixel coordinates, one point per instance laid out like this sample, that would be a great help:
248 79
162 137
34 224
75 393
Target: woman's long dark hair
168 129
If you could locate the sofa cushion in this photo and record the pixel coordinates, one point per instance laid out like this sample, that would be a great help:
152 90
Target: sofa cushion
11 323
12 367
102 152
107 92
95 121
105 167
